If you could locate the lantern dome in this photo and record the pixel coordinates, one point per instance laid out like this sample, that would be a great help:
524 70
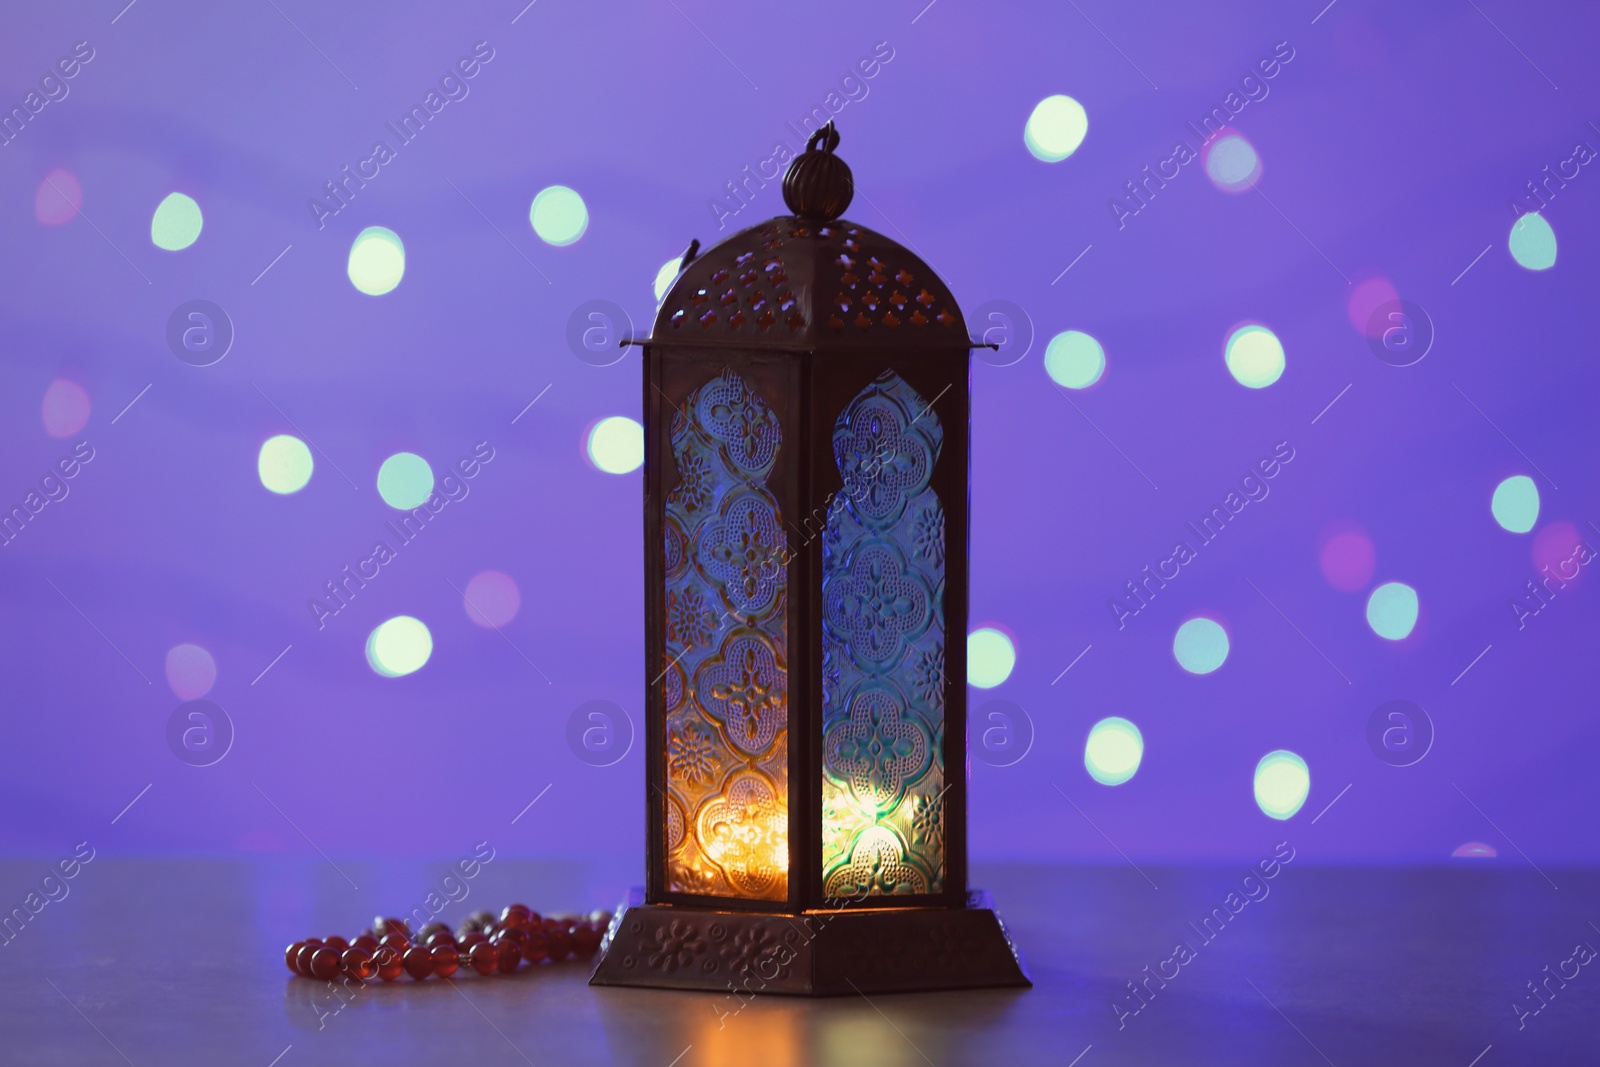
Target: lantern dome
810 279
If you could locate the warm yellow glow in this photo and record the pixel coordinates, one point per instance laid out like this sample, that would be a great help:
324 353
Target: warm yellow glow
745 1027
744 831
750 839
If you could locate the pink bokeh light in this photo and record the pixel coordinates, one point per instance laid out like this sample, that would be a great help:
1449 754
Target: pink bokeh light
1555 545
1347 558
492 599
65 409
58 198
1365 298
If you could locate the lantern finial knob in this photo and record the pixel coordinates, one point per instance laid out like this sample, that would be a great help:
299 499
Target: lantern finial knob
818 184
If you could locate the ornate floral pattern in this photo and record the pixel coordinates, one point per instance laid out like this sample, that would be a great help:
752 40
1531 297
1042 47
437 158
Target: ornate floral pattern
928 677
694 482
725 679
927 822
746 690
879 748
744 831
758 951
737 417
743 551
691 754
876 603
677 944
884 457
883 649
690 622
928 533
878 866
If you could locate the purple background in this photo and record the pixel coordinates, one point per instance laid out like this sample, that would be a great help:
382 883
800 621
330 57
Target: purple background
1394 140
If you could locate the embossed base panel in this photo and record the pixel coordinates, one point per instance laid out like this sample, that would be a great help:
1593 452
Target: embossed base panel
820 953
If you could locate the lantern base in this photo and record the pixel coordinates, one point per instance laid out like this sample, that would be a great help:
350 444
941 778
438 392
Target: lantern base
817 953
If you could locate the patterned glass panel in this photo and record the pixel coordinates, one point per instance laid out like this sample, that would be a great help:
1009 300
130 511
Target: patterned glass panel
883 774
726 675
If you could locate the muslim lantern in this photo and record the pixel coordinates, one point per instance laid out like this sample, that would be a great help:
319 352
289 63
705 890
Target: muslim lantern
806 491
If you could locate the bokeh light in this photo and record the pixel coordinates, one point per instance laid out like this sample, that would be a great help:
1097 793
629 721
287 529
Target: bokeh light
1392 610
284 464
1056 128
1254 356
1532 242
666 276
1074 359
1556 546
405 480
177 223
191 672
1515 504
491 599
1113 751
58 198
399 647
1367 297
616 445
558 215
1282 783
1475 850
1348 559
990 657
1200 645
377 260
66 408
1231 162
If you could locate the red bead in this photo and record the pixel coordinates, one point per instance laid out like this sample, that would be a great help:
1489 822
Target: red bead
391 926
418 962
366 943
338 944
560 945
388 963
585 942
291 954
439 937
472 937
357 963
484 957
325 964
445 960
600 919
511 920
431 929
536 949
508 954
396 941
302 962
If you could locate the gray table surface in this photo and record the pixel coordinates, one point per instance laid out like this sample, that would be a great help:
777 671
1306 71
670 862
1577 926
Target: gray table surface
179 961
